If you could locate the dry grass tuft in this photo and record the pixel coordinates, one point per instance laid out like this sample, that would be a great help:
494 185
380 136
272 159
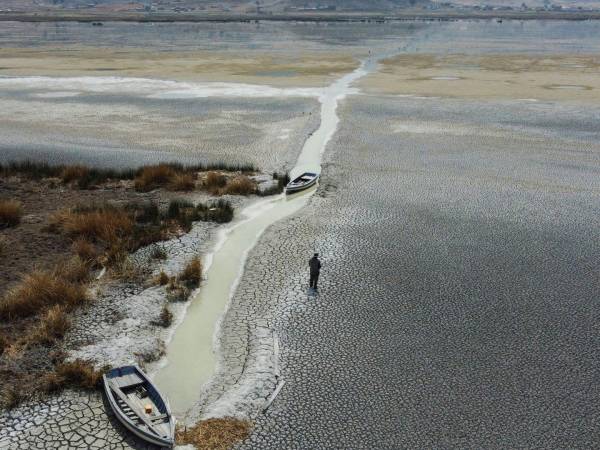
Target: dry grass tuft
10 213
52 327
125 269
5 342
215 180
74 173
182 182
162 279
106 224
240 185
39 291
165 319
85 250
11 395
75 270
192 274
80 374
152 177
214 434
176 292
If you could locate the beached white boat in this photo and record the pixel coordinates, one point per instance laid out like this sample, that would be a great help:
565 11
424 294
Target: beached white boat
304 181
139 406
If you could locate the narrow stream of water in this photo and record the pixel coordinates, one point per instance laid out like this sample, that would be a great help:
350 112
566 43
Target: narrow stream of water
190 358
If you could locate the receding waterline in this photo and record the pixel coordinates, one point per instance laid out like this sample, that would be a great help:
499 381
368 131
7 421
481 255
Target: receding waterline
190 354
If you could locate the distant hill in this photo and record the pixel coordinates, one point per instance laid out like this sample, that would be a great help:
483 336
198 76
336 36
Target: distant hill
210 5
252 6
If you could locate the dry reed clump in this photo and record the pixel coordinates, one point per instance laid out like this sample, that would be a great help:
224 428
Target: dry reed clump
165 319
152 177
240 185
214 434
74 173
38 291
219 211
52 327
79 373
162 279
177 292
85 250
5 342
215 181
182 182
10 213
106 224
125 269
192 273
11 395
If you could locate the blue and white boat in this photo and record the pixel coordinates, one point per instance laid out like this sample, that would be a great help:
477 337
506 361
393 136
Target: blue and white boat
139 406
304 181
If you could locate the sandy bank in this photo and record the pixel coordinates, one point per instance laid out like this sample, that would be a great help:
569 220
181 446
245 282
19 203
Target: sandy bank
300 69
553 77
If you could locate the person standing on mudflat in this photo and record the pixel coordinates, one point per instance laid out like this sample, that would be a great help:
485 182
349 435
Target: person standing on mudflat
315 270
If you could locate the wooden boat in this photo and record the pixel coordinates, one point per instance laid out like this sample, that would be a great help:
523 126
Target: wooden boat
139 406
304 181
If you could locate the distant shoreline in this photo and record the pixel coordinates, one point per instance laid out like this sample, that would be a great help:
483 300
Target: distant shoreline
68 16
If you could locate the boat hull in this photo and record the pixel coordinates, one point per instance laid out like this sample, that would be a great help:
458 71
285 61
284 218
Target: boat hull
293 189
131 426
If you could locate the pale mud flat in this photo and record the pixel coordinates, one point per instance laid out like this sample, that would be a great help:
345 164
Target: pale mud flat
103 122
297 68
541 77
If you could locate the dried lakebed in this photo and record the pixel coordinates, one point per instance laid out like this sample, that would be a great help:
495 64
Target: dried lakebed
459 283
241 397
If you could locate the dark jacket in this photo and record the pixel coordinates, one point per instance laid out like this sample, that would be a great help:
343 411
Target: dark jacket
315 265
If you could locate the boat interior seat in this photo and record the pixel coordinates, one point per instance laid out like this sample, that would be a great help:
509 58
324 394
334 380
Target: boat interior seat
129 381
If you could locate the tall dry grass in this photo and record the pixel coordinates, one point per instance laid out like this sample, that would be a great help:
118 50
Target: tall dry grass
52 327
182 182
192 273
10 213
152 177
106 224
74 173
214 434
39 291
81 374
240 185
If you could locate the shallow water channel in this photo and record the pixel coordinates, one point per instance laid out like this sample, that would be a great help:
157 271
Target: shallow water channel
190 358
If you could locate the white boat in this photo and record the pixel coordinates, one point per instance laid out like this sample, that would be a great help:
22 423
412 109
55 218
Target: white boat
139 406
304 181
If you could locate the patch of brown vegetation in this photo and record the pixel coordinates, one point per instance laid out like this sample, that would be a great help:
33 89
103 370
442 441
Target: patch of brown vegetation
85 249
153 177
38 291
192 273
74 173
80 374
52 327
63 241
182 182
240 185
105 224
162 279
214 434
215 181
165 319
10 213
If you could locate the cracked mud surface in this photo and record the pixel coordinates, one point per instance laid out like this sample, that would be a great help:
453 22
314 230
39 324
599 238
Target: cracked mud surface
456 304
